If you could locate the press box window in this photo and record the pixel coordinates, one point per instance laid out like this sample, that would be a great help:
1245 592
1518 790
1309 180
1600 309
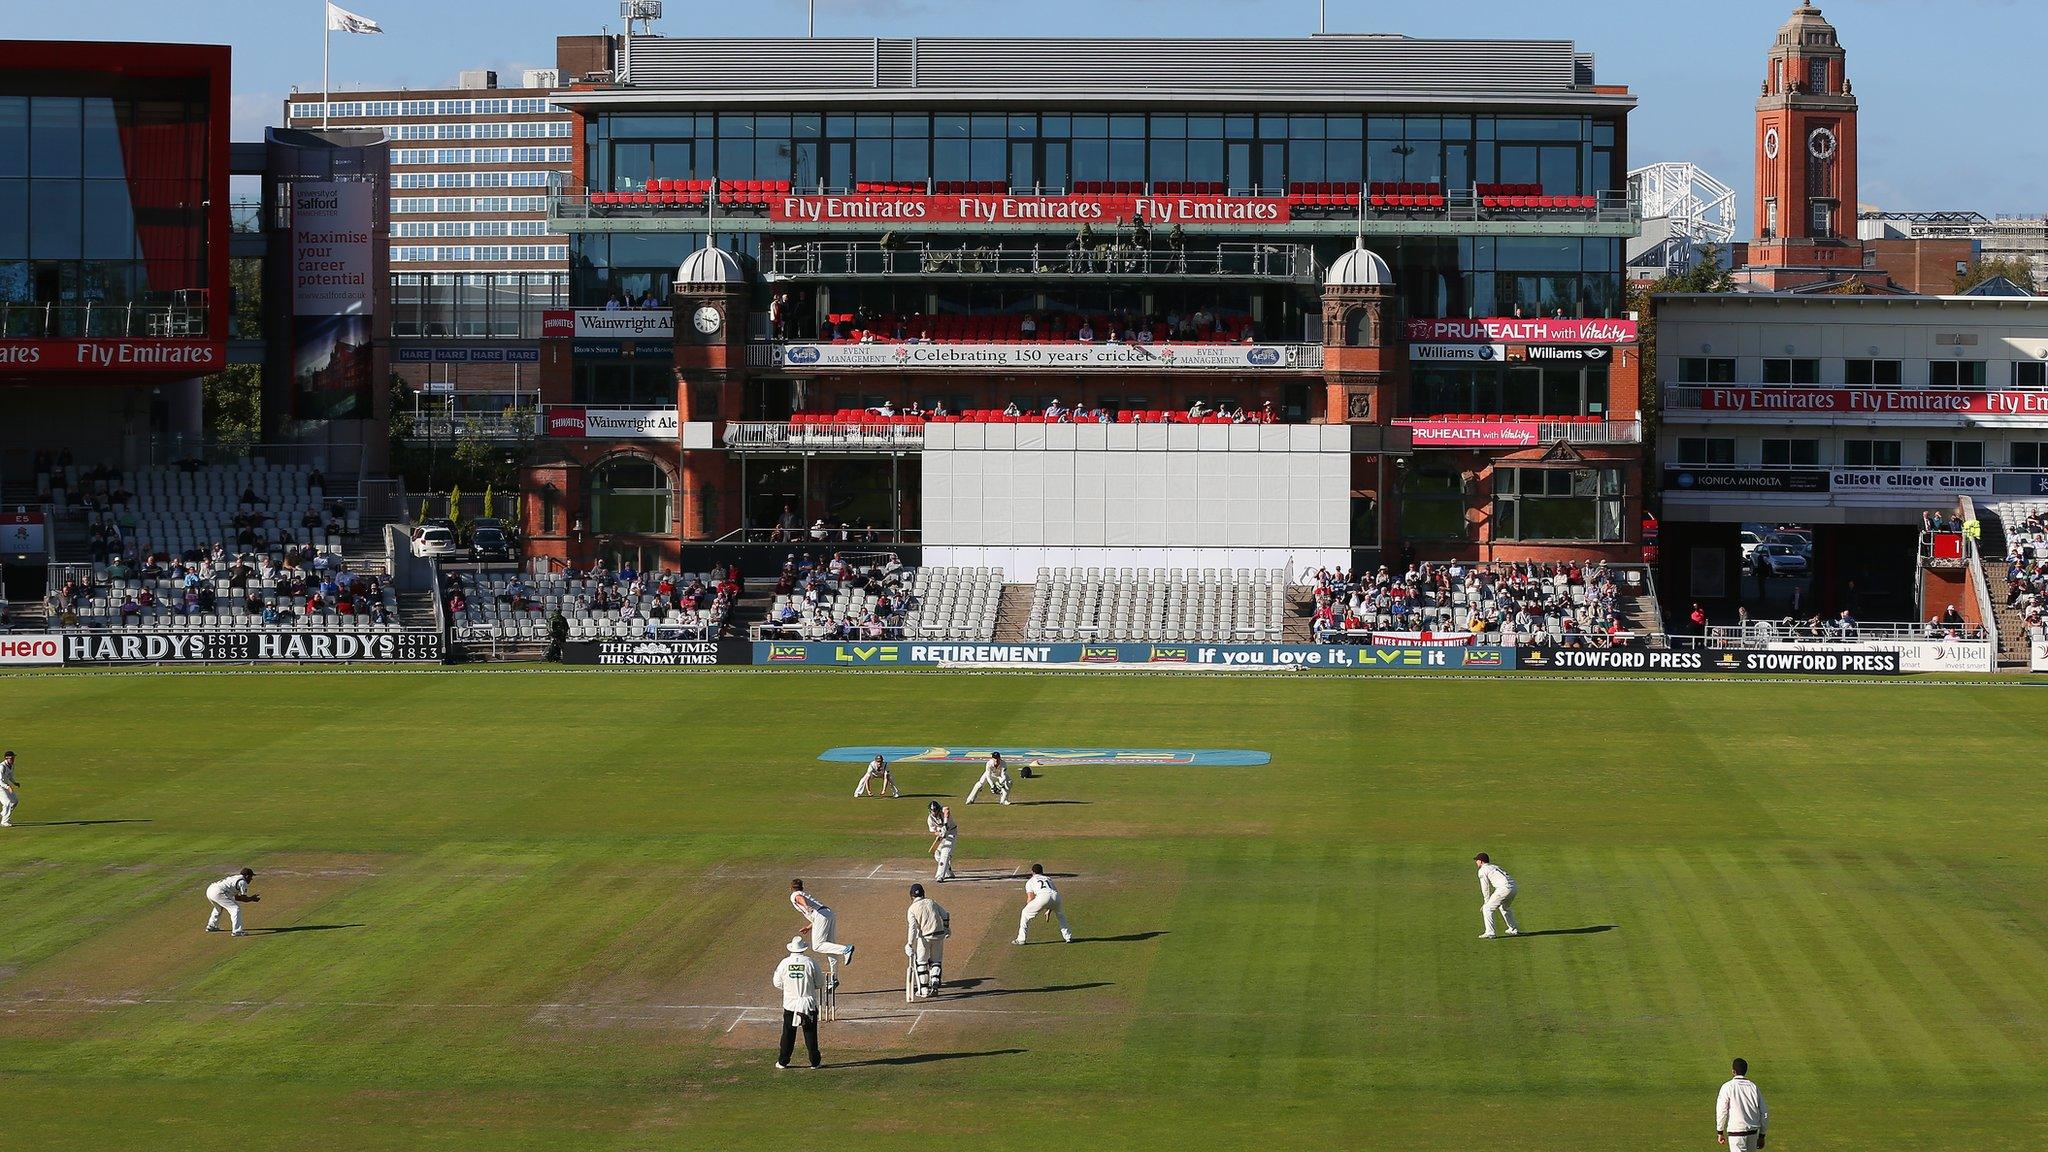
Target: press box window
1698 450
2029 374
1791 453
1557 504
1872 373
1791 371
1706 370
1955 453
1870 454
1955 373
2031 455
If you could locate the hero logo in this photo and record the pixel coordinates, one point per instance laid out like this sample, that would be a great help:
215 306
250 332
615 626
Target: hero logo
20 355
1263 357
801 355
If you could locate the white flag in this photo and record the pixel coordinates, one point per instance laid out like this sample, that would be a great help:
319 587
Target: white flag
340 19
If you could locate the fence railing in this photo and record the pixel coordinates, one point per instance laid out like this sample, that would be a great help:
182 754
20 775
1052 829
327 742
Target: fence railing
1284 262
183 318
769 435
1823 631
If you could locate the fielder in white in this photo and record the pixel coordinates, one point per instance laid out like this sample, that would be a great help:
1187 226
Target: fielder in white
1041 896
824 926
1497 889
939 822
228 894
995 776
10 790
1739 1113
878 777
925 946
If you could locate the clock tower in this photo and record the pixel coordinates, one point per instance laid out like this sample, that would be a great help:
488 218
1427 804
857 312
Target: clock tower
1806 160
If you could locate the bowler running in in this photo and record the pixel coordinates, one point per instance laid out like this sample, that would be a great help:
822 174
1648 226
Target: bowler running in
1041 897
824 926
228 894
877 777
1497 889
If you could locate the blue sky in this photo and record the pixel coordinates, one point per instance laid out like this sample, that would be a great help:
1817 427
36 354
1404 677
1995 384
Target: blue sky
1945 124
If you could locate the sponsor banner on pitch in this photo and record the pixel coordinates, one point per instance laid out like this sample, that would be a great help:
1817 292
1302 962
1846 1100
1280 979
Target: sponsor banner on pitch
977 755
1918 655
31 648
280 647
998 208
905 654
1836 661
657 653
1521 330
1868 401
1238 357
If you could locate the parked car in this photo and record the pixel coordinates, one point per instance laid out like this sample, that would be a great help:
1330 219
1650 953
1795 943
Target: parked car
433 540
1750 543
487 543
491 522
1800 541
1777 560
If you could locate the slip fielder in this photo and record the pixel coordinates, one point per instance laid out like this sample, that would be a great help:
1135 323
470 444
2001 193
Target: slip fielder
1497 889
939 822
925 946
1041 896
824 926
228 894
995 776
879 777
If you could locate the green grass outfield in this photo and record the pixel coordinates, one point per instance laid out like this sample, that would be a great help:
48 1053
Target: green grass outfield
543 902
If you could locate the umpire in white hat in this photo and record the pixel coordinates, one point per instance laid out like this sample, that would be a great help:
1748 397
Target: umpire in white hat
797 978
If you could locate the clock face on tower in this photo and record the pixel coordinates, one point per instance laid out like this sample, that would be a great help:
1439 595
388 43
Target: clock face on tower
707 319
1771 143
1821 144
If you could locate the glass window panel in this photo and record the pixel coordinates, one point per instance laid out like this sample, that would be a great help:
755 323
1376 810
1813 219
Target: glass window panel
1055 174
736 158
1237 127
103 138
1305 160
1127 160
1091 159
1560 166
1537 128
1424 128
912 156
55 127
872 124
1205 162
13 136
730 125
949 159
1023 126
1345 127
1169 160
1205 127
914 125
1384 127
13 222
988 159
1055 124
873 159
835 126
1519 164
771 125
109 221
771 159
1425 161
948 127
1305 127
1169 127
1272 127
1127 127
806 124
1091 127
1022 174
54 231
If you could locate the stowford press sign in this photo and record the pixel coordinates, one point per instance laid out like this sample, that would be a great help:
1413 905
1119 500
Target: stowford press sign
911 357
917 208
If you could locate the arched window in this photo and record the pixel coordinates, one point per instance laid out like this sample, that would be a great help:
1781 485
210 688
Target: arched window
630 494
1358 328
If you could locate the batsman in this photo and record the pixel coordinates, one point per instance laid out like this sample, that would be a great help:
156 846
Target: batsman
925 946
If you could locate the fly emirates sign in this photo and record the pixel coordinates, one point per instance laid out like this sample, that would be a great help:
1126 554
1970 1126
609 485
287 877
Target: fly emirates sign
1872 401
917 208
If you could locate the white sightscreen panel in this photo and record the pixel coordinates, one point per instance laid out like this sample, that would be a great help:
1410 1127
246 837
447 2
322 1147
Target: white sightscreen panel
1144 498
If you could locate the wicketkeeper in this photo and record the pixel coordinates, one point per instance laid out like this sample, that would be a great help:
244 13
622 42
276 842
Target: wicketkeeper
877 777
929 925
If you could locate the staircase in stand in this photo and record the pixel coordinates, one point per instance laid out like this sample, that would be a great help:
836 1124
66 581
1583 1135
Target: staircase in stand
416 610
1013 613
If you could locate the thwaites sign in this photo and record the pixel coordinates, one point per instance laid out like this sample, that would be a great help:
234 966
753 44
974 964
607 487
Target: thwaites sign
572 422
251 647
333 257
610 323
918 208
1519 330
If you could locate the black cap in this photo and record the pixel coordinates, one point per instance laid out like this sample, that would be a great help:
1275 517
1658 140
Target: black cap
917 889
248 873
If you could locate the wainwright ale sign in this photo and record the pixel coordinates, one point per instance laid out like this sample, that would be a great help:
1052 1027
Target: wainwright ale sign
918 208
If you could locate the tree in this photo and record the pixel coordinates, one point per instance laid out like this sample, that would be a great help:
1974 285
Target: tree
2014 268
1706 275
233 397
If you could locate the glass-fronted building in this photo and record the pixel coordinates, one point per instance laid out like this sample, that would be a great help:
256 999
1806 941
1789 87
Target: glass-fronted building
1130 227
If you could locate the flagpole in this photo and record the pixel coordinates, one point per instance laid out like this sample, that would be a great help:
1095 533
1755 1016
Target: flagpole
326 50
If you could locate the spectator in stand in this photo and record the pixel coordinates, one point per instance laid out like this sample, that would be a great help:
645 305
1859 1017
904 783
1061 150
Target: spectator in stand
1197 410
1698 619
1085 333
1054 411
1011 409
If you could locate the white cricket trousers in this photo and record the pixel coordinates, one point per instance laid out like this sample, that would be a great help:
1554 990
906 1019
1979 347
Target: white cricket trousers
824 935
944 856
928 964
7 801
1001 791
224 904
1503 903
1040 903
884 781
1742 1144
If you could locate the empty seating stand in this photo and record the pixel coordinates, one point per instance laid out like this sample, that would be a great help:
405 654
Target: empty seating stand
1529 198
1325 195
661 192
1221 605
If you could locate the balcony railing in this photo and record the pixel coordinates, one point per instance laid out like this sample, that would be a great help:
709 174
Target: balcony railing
182 318
855 259
1465 206
780 436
